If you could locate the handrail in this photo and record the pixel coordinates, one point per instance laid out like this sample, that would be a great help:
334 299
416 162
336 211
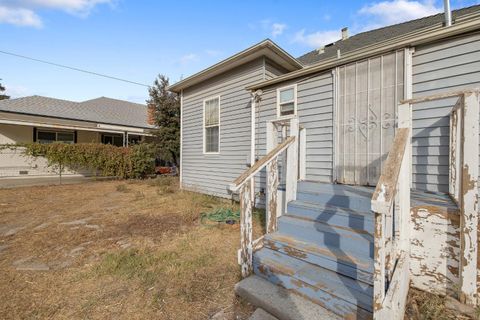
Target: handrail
260 164
385 191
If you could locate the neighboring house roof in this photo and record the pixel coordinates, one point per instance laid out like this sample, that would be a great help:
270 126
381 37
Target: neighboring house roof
378 35
100 110
265 48
408 34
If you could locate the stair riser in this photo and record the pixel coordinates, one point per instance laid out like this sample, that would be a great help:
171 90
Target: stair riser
321 297
362 273
325 236
330 217
350 202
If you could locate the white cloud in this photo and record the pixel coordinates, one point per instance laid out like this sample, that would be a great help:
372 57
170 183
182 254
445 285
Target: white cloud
20 17
317 39
187 58
371 16
16 91
386 13
213 53
277 29
23 12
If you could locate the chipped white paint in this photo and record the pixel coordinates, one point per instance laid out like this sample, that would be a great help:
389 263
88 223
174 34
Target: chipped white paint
381 195
435 248
246 244
292 163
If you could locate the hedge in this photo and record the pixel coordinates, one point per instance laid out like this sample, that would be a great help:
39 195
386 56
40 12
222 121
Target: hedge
135 161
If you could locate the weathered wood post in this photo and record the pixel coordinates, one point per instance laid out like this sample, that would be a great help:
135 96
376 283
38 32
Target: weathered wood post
292 163
272 180
469 200
246 225
455 150
404 181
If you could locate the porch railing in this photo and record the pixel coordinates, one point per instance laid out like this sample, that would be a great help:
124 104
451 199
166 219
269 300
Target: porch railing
391 204
244 185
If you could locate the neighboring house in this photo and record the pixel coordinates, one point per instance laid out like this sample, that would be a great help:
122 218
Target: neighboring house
46 120
339 111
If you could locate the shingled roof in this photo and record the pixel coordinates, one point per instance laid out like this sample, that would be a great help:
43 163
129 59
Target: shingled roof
100 110
378 35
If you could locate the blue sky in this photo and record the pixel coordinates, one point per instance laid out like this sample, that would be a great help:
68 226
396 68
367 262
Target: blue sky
136 40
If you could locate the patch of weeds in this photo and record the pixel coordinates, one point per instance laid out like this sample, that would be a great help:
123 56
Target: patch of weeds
427 306
163 190
163 181
129 264
122 188
139 195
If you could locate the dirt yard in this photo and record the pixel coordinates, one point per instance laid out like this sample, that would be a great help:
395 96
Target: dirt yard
115 250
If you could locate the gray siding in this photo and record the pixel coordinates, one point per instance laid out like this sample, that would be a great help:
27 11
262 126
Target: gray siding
212 173
315 111
441 67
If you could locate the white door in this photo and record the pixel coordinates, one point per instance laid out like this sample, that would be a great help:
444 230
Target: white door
367 95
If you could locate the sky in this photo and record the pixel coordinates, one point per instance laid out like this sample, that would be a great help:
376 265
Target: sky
137 40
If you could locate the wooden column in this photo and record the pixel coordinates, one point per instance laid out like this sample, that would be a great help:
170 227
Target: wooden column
272 180
469 200
246 246
292 164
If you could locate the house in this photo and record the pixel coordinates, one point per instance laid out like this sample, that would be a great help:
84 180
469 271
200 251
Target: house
365 154
46 120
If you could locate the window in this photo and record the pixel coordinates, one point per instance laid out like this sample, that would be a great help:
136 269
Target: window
54 136
113 139
211 125
287 101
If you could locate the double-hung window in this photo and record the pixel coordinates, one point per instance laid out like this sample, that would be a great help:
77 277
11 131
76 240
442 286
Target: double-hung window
287 101
211 125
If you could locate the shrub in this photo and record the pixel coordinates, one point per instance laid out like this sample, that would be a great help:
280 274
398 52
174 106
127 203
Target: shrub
136 161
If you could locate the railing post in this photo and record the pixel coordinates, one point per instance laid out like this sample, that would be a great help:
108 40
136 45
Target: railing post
405 178
455 150
272 180
379 265
469 200
292 164
246 245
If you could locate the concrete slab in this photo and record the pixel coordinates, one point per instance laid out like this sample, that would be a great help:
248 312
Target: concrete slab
280 302
261 314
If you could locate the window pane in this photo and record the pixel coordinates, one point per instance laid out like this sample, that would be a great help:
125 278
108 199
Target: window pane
211 112
107 139
118 141
287 108
286 95
66 137
46 137
211 139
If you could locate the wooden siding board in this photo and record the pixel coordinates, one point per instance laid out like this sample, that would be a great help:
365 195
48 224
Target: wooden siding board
449 65
212 173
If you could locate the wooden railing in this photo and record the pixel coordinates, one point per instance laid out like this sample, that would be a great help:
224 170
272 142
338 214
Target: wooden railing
391 206
463 186
244 184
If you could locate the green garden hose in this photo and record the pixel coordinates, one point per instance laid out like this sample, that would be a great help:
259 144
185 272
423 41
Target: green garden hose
221 215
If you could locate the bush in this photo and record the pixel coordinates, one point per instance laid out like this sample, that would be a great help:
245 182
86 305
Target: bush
136 161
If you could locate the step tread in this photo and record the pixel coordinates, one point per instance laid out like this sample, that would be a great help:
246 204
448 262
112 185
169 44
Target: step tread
318 226
344 288
304 204
336 189
279 302
364 264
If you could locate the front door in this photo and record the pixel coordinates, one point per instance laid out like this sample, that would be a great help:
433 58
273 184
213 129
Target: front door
367 95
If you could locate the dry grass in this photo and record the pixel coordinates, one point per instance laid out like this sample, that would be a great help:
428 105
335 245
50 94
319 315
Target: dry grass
126 250
422 305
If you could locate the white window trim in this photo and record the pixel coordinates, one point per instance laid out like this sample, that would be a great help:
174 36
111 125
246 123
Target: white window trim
219 126
294 86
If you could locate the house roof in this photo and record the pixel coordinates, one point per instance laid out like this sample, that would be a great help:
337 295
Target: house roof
378 35
265 48
404 35
100 110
